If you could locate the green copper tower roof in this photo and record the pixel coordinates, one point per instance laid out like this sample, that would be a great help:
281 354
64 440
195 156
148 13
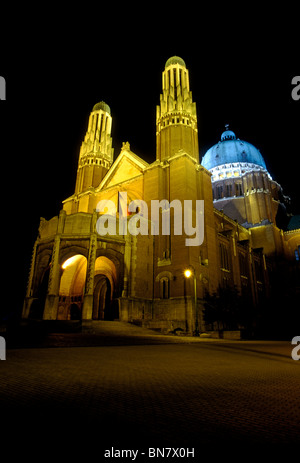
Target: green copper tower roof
103 106
175 60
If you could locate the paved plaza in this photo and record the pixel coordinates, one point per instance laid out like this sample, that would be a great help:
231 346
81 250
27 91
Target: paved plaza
139 392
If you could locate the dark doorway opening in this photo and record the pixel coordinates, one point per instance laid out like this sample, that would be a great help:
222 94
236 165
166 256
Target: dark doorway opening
75 312
102 299
38 304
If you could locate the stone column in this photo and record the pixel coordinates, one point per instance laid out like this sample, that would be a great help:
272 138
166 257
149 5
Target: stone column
87 309
123 302
51 304
127 262
28 298
251 277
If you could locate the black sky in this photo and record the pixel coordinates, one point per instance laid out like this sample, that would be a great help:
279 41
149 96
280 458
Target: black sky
56 68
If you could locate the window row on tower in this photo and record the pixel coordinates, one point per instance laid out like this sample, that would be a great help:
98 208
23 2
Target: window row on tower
174 119
94 161
228 190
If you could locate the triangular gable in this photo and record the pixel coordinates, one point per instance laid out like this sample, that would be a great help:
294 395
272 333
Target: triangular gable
126 167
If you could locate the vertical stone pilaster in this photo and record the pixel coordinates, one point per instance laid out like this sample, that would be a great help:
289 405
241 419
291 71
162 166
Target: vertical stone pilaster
28 297
133 266
51 304
61 221
251 276
127 262
123 302
87 309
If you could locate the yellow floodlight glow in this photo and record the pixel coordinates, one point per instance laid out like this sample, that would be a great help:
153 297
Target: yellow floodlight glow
71 261
187 273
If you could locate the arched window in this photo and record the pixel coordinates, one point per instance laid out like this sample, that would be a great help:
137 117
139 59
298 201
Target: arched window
224 255
164 288
228 192
238 189
219 194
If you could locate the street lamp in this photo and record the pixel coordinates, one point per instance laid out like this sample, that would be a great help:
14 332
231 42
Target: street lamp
188 273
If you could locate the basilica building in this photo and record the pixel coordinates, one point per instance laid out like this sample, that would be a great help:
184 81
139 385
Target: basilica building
77 273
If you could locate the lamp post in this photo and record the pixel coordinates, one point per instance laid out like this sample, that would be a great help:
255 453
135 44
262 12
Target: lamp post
188 273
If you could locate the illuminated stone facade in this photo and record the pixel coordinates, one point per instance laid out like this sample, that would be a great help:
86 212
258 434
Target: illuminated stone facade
78 274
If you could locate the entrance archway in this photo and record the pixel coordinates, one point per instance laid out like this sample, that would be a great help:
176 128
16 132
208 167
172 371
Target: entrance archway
38 304
71 289
104 284
102 298
75 312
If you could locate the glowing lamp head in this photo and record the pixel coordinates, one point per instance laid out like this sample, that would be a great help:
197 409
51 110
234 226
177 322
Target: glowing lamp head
187 273
70 261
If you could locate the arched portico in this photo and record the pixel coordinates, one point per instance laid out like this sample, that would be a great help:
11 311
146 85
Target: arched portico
105 280
71 288
38 301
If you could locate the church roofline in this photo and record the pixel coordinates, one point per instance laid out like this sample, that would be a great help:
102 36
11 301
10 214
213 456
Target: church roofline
113 186
134 158
290 232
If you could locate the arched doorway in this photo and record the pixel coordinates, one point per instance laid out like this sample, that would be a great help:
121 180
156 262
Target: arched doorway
102 298
38 304
71 289
104 284
75 312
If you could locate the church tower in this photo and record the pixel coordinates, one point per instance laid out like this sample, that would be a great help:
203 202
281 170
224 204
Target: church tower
176 119
96 152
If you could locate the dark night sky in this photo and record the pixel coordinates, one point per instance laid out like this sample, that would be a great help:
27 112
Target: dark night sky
56 68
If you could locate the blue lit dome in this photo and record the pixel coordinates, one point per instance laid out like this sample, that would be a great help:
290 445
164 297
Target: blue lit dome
228 135
231 150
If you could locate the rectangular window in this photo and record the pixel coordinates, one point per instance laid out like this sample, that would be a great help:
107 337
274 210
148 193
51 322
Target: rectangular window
101 124
258 271
238 189
164 288
224 255
219 192
243 261
174 81
228 190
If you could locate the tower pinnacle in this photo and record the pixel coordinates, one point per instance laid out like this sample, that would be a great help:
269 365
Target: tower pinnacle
176 119
96 152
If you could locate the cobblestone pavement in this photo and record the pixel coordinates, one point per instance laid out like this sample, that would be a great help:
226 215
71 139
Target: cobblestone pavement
205 394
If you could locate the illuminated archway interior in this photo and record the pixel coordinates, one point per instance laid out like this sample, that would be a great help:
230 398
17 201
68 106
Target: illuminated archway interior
71 288
104 283
72 285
